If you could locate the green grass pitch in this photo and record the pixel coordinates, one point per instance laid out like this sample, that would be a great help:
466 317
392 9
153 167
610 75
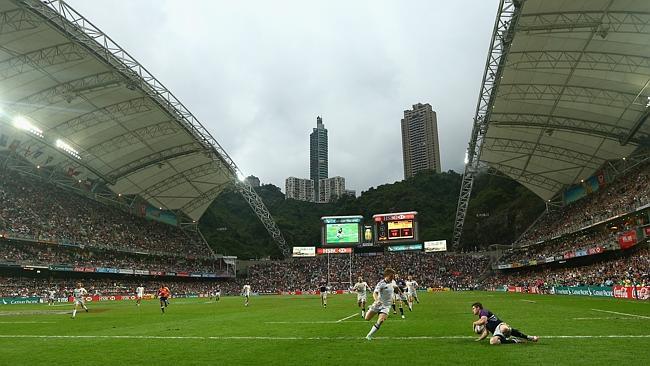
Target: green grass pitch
289 330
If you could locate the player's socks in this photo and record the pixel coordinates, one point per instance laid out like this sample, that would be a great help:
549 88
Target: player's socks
375 327
394 310
518 334
162 308
509 341
401 311
410 304
74 313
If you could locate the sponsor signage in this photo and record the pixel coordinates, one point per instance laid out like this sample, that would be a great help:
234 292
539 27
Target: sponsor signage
638 293
106 270
182 274
210 275
321 251
549 259
304 252
600 291
404 247
435 246
141 272
62 268
646 231
595 250
196 274
627 239
19 300
125 271
170 273
156 273
581 253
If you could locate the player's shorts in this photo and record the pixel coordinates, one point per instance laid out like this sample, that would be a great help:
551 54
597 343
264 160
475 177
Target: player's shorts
163 298
498 333
217 294
379 309
323 295
403 296
79 301
361 298
414 293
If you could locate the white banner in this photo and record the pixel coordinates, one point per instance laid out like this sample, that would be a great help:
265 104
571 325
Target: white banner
435 246
304 251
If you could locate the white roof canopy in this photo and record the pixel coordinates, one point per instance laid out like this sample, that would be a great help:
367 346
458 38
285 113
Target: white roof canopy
65 77
573 91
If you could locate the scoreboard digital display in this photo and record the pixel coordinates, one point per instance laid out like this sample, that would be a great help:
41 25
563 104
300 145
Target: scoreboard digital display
396 227
341 230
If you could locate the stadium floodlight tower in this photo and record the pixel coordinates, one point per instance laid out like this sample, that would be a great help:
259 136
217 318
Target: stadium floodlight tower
90 109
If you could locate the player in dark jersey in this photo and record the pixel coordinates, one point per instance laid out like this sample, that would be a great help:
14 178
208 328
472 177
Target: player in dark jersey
323 294
500 330
400 295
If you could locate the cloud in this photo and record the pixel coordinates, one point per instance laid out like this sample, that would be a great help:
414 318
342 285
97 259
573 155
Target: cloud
257 73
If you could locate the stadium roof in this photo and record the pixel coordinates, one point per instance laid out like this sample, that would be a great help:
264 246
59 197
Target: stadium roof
571 89
86 106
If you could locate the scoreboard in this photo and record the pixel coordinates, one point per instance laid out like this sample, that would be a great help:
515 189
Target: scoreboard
396 227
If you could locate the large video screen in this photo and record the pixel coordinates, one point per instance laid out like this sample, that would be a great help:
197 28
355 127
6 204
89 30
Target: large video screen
342 230
396 227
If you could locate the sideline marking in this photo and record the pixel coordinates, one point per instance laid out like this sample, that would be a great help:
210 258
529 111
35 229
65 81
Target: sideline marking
27 322
606 318
626 314
347 317
294 338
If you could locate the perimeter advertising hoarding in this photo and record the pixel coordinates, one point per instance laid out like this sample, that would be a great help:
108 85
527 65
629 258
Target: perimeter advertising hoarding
404 247
321 251
304 252
435 246
341 230
398 227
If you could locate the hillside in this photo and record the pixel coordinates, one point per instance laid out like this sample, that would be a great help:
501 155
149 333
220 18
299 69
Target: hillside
499 211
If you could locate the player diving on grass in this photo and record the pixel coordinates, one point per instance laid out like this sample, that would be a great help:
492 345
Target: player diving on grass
79 293
383 296
361 288
246 292
163 295
500 330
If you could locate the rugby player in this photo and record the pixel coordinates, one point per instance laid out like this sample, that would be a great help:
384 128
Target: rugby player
412 287
400 295
246 292
139 294
323 294
163 295
383 296
79 293
361 288
217 294
51 293
500 330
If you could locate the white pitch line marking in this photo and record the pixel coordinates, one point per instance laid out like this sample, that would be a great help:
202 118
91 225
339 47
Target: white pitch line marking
347 317
606 318
534 302
626 314
27 322
297 338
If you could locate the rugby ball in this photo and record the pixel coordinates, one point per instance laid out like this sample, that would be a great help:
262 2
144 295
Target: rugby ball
478 329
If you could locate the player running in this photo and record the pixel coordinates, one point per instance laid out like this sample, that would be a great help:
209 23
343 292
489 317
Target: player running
383 296
500 330
164 294
139 294
361 288
217 294
246 292
412 291
399 296
79 293
323 294
51 293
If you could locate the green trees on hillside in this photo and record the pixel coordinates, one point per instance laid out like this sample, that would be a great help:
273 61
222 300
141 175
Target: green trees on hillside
498 212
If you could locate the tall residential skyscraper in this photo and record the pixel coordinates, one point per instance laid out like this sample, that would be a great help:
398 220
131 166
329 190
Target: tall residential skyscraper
420 148
318 153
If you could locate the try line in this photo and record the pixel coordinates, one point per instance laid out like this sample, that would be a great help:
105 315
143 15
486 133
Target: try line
254 338
626 314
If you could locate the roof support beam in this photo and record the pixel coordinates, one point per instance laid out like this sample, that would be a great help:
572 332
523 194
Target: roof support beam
155 158
205 197
568 93
164 128
532 179
44 57
178 178
108 113
68 91
552 123
567 60
548 151
637 126
601 22
17 20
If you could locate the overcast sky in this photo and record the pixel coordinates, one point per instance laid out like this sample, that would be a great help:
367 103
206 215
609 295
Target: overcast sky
257 73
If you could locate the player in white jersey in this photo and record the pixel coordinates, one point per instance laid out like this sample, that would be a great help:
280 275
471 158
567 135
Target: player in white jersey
79 293
139 294
217 293
412 291
383 296
50 296
361 287
246 292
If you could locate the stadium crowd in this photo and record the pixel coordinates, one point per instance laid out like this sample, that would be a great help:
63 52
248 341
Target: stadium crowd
26 253
633 269
32 209
624 195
